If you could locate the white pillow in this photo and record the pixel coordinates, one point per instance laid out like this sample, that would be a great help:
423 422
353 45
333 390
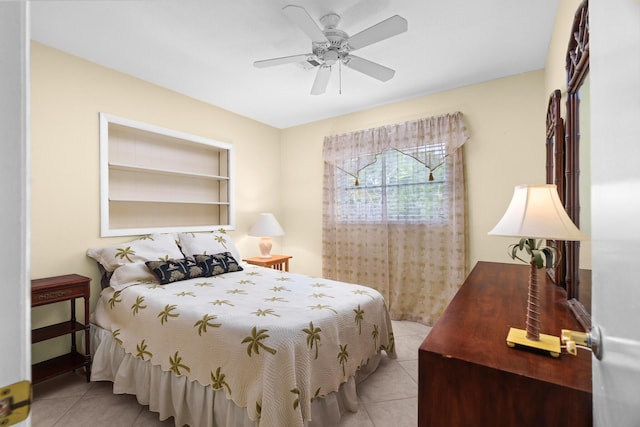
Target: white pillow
153 247
207 244
132 274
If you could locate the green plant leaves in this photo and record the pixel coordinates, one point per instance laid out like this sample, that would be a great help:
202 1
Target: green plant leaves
539 255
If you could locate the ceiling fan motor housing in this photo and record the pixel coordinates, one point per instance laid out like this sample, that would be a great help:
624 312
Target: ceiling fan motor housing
336 47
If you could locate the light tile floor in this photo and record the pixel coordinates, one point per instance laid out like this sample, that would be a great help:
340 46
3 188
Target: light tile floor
387 398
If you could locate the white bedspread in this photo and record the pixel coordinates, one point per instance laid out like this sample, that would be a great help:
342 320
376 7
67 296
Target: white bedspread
271 340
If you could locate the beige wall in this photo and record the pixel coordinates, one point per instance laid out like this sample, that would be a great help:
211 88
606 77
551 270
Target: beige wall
555 74
506 123
67 94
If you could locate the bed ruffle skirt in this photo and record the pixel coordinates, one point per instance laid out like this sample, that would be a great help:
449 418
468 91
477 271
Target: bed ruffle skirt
191 403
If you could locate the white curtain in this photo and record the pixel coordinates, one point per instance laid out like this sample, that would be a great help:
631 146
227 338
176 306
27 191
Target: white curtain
413 252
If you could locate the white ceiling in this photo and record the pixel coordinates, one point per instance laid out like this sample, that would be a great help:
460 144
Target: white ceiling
205 48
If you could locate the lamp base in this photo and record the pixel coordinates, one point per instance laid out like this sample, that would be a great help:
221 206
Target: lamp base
547 344
265 247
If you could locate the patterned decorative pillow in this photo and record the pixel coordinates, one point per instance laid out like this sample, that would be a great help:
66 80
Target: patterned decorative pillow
211 243
160 246
213 265
174 270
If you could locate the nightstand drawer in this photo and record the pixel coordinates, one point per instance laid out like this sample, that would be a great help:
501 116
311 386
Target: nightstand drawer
59 288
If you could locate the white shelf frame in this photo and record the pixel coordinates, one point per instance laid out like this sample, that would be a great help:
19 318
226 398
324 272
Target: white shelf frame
106 230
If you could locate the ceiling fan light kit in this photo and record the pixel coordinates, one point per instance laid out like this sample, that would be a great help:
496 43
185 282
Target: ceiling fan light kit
332 46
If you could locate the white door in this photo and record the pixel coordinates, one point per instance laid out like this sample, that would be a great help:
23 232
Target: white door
15 307
615 177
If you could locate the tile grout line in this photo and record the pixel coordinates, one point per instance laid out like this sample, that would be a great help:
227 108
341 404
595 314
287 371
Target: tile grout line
55 424
366 410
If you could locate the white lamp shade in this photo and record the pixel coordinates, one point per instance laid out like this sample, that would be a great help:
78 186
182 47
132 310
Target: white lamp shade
536 212
266 226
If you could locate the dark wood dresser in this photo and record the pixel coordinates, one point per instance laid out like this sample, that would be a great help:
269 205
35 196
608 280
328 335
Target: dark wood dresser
468 376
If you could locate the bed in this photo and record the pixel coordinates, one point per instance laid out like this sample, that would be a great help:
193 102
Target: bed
197 334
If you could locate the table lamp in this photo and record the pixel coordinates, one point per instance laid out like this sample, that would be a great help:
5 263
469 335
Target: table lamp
535 214
265 227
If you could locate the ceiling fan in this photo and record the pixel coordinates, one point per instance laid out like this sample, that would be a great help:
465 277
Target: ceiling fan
331 45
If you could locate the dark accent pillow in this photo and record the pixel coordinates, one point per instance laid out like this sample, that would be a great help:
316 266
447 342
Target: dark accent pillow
213 265
174 270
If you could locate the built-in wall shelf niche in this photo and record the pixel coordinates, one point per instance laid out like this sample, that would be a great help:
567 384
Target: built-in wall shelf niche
160 180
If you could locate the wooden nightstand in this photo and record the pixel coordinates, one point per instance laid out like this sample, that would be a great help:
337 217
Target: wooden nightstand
57 289
277 262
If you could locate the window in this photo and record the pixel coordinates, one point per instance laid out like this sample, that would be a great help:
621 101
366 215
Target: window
396 188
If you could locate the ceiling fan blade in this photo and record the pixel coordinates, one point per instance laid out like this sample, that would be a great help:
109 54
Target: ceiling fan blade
369 68
382 30
299 15
279 61
321 81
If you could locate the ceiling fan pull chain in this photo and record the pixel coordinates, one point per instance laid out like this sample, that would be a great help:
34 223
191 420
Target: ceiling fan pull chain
340 77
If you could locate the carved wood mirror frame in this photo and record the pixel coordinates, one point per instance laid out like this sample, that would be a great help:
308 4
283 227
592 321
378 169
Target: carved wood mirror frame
563 156
577 67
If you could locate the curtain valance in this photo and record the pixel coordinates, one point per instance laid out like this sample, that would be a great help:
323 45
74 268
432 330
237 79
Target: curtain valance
428 140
